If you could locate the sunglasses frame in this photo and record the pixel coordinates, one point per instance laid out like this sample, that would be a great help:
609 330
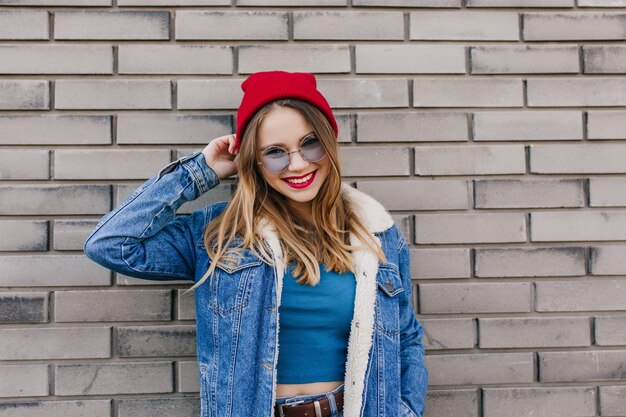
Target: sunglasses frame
297 150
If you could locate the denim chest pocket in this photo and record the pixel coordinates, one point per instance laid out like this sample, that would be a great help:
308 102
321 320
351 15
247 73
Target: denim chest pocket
230 284
389 285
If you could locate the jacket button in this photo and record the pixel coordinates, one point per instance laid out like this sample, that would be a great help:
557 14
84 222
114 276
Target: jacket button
388 285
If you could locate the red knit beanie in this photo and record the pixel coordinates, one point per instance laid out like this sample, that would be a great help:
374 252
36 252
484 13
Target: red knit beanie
263 87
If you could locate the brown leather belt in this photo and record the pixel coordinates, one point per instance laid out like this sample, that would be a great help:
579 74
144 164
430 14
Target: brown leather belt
309 408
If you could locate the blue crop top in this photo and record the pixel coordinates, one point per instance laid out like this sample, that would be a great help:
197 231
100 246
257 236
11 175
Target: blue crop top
314 327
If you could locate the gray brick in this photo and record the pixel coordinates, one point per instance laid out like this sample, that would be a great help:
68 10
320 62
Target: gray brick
82 3
481 368
610 330
56 59
573 26
185 305
187 376
55 130
109 164
607 192
112 305
113 94
113 378
54 199
231 25
294 57
170 407
112 24
55 343
23 24
365 92
598 295
175 59
520 3
23 235
291 3
601 3
613 400
173 2
560 226
456 298
578 366
441 263
415 59
23 307
470 228
366 161
457 403
576 92
12 166
541 193
23 381
71 234
348 25
464 25
170 340
528 125
524 59
209 94
51 270
78 408
530 262
607 260
552 401
525 332
407 3
603 124
418 195
412 127
24 94
470 160
467 92
604 59
578 159
449 333
171 129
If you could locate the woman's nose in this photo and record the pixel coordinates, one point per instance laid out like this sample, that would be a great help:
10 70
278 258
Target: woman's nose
297 162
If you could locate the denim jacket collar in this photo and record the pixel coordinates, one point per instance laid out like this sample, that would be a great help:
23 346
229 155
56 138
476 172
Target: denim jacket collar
376 219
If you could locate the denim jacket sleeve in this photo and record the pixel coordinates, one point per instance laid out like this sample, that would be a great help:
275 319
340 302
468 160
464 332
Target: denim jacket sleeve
143 237
413 372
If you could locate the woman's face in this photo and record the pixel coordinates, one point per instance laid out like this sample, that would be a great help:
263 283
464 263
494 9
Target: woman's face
286 127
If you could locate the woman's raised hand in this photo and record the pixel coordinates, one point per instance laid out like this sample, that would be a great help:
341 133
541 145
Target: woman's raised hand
220 155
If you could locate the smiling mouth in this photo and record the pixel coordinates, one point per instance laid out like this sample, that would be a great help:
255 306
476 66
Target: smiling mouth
301 182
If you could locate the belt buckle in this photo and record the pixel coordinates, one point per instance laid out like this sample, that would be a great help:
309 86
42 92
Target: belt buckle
316 404
281 411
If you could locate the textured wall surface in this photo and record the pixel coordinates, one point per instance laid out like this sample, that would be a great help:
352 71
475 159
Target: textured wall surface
493 130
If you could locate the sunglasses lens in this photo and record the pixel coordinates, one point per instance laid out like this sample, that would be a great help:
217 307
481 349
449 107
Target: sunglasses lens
277 160
313 150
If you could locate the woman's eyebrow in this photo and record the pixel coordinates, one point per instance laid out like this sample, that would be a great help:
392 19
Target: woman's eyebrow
282 144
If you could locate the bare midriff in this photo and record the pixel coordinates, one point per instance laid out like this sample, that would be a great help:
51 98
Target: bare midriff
288 390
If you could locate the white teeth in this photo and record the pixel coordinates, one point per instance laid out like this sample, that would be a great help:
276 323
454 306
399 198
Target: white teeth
300 181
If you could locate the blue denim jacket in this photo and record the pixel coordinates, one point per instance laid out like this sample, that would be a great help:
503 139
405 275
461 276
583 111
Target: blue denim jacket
237 320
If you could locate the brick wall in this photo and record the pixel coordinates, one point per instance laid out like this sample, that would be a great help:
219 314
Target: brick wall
494 130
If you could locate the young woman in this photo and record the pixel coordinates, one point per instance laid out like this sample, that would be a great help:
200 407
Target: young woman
294 242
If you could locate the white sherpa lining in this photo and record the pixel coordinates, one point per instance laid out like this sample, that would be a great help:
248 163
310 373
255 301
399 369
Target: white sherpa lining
376 219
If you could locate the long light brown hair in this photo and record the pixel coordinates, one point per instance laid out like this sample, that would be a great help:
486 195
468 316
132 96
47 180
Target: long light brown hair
326 235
